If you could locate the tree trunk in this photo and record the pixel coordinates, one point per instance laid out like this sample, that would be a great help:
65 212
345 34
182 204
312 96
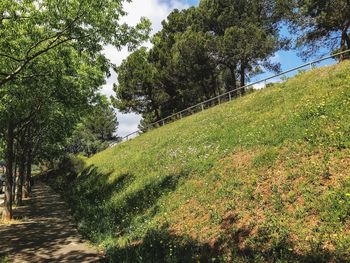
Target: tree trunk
347 40
153 104
7 212
233 80
20 179
345 44
242 74
14 175
28 175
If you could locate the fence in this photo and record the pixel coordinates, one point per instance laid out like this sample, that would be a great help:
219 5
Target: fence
224 97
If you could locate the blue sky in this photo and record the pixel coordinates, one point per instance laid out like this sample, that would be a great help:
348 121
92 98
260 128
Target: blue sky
191 2
156 11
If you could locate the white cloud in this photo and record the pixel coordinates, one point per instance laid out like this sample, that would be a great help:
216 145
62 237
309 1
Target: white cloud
156 11
263 84
129 121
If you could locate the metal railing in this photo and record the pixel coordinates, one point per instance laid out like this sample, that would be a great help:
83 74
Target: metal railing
227 96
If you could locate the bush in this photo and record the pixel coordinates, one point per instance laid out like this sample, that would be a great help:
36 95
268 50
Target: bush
67 171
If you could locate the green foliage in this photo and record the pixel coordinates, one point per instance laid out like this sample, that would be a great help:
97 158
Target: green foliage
96 131
72 164
243 181
137 90
199 53
193 60
50 106
30 30
51 67
318 22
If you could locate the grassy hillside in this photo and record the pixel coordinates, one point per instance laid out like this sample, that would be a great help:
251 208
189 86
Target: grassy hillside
264 178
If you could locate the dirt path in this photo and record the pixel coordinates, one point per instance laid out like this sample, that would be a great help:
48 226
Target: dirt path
45 232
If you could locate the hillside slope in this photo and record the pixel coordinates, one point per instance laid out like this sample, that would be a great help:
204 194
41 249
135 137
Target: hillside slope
264 178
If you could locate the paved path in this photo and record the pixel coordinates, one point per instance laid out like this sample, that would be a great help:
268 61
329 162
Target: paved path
45 232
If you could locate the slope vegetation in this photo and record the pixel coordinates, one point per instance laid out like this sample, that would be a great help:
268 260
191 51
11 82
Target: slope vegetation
264 178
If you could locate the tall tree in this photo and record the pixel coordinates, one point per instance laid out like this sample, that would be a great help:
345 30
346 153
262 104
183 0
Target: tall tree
320 23
194 67
199 53
103 120
155 83
51 65
247 33
48 106
96 131
137 89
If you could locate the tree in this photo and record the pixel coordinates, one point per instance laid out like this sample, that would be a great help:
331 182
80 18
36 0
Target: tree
38 114
137 89
103 120
247 34
194 67
29 29
161 56
320 23
151 82
199 53
50 68
96 131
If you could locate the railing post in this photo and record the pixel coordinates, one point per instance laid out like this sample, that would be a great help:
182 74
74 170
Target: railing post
219 100
163 123
229 96
202 107
180 115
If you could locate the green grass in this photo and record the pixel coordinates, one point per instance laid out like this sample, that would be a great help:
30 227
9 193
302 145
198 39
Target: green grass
264 178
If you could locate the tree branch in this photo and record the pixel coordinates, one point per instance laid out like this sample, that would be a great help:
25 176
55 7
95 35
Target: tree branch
55 36
53 44
11 57
28 60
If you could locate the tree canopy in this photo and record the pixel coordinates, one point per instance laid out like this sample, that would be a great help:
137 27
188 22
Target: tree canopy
318 24
96 131
199 53
51 67
29 29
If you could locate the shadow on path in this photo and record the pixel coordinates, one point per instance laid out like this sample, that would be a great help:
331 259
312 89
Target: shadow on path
46 232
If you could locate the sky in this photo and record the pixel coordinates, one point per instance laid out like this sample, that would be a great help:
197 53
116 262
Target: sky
156 11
